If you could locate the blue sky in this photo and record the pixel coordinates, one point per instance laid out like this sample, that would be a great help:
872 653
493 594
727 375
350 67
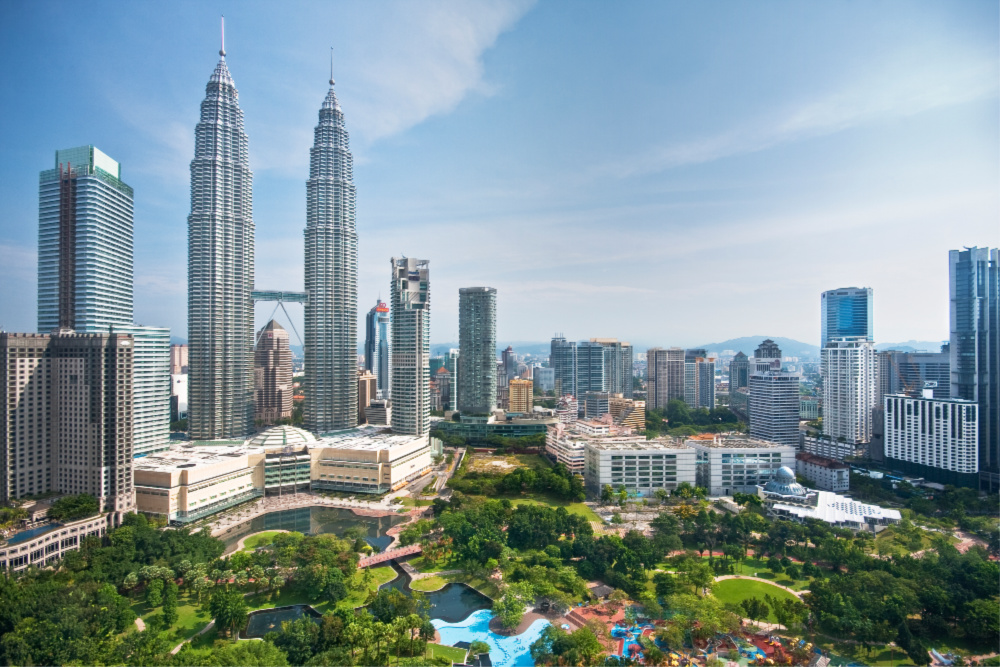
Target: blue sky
664 172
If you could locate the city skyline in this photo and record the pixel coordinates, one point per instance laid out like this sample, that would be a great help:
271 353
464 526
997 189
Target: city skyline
700 171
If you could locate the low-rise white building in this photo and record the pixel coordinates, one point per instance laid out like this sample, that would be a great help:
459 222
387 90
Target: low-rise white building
729 464
827 474
641 466
565 443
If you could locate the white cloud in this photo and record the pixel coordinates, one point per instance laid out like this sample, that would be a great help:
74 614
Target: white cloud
889 94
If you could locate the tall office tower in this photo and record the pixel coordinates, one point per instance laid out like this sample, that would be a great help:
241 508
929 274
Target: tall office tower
84 243
66 409
451 365
509 361
85 262
178 359
846 313
477 342
377 346
974 277
589 367
692 393
849 388
272 375
617 366
367 392
562 359
739 372
911 373
220 267
774 406
331 268
410 304
521 395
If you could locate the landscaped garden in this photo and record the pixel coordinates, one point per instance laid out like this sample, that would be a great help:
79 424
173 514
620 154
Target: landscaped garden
735 591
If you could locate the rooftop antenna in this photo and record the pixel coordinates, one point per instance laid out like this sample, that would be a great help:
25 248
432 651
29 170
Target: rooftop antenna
331 65
222 51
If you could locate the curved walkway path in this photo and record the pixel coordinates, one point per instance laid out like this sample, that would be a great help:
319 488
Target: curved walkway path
794 592
175 650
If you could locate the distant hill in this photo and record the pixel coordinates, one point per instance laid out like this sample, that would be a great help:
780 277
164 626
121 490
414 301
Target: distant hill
747 344
912 346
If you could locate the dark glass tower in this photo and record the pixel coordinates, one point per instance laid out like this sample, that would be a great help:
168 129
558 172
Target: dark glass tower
846 313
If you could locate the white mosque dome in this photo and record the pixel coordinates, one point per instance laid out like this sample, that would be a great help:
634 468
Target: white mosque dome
283 436
784 484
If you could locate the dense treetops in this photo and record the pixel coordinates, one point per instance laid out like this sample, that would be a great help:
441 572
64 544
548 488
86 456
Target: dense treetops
72 508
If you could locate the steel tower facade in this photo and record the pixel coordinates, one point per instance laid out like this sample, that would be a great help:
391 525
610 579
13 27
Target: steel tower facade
220 267
331 277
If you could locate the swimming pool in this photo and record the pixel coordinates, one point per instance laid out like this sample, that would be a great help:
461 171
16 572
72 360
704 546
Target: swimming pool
504 651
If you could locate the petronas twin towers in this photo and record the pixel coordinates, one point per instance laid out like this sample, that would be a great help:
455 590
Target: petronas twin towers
221 272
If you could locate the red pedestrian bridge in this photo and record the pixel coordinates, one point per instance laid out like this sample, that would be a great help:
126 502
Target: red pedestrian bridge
389 554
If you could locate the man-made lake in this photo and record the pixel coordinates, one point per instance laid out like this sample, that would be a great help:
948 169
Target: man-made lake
451 604
315 521
261 622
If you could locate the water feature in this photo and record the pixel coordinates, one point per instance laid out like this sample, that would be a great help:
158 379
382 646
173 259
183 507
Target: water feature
451 604
261 622
504 651
315 521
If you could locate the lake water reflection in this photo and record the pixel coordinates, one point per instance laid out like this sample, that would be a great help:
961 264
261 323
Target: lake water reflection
316 521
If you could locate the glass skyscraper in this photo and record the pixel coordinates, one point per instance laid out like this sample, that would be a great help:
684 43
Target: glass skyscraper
331 276
220 268
477 344
377 346
846 313
562 359
975 347
85 281
410 304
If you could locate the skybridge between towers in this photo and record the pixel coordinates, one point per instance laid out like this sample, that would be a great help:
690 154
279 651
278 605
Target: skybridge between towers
281 298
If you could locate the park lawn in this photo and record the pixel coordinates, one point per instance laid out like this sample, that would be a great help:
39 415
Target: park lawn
487 587
573 508
757 567
409 501
428 584
450 653
190 617
422 564
737 590
355 598
484 463
260 539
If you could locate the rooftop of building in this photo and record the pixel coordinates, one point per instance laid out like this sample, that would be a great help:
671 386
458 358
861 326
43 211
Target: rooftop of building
187 456
282 436
960 401
730 441
832 464
635 443
365 438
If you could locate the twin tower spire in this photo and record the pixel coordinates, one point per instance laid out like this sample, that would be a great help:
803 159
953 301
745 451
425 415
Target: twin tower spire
221 270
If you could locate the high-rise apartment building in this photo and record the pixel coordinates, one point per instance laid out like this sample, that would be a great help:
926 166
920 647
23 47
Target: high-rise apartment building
220 267
849 389
66 415
937 439
410 304
509 362
272 375
85 264
521 396
773 403
331 276
846 313
178 359
974 278
477 342
699 379
562 359
449 396
774 407
618 374
589 367
665 376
